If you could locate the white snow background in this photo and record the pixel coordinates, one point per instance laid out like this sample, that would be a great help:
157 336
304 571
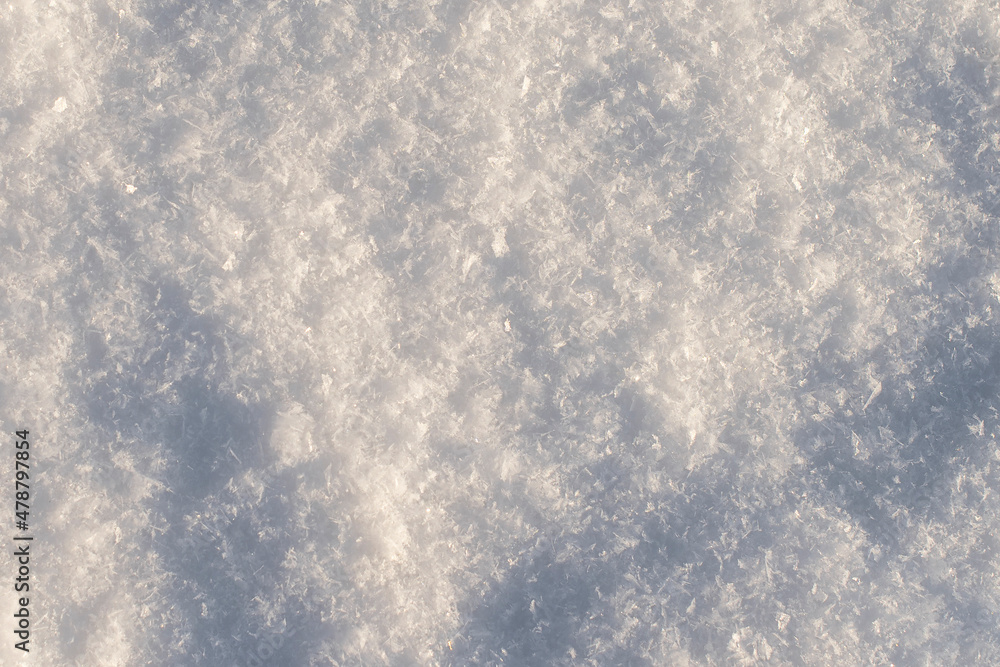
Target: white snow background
522 333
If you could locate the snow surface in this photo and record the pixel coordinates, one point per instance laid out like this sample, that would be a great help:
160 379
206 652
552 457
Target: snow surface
523 333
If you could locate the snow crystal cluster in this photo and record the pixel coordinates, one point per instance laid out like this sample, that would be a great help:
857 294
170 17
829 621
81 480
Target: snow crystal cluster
519 332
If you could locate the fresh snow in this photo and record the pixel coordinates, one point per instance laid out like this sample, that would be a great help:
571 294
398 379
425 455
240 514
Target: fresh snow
503 333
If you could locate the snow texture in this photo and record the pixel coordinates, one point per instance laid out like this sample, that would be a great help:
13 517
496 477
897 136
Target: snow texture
521 333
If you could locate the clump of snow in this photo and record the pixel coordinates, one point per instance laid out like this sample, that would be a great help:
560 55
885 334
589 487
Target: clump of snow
536 333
